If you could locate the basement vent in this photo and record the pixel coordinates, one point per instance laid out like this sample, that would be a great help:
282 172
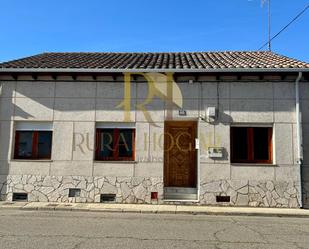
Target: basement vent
107 198
20 196
74 192
223 198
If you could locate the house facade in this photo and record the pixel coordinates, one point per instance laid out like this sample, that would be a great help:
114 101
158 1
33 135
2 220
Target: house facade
215 128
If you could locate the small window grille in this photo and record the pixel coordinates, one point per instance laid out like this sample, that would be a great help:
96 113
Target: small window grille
108 198
223 198
20 196
74 192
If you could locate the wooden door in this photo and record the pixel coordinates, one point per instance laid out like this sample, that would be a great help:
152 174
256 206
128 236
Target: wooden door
180 154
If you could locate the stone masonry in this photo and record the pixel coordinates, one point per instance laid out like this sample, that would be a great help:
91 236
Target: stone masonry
138 190
252 193
56 188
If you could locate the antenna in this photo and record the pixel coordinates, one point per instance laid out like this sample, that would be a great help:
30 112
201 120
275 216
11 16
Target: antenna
269 38
284 28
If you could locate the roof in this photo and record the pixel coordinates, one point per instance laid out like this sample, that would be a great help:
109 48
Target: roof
203 61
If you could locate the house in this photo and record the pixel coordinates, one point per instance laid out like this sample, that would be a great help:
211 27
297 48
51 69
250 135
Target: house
202 128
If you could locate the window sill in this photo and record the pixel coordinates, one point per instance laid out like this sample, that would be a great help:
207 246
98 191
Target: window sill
255 164
115 162
31 160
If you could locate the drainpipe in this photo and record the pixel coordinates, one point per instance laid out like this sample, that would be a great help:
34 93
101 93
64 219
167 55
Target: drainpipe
299 135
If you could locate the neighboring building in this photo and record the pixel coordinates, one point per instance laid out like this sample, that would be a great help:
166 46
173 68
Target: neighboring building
209 128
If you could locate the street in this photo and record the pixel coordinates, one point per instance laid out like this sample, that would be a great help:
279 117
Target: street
82 230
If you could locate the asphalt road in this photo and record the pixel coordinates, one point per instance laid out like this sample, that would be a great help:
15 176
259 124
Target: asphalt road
82 230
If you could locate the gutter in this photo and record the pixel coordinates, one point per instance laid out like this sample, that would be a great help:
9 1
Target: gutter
147 70
299 135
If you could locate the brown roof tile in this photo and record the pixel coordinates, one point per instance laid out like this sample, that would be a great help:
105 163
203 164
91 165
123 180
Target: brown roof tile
177 60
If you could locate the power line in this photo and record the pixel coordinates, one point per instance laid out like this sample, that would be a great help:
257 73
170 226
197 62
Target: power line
285 27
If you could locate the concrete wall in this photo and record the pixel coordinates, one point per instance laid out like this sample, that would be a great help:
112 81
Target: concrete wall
304 93
75 107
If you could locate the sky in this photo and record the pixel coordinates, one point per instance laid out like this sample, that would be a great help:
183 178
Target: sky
35 26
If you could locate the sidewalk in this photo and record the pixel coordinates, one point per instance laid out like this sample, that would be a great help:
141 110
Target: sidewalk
164 209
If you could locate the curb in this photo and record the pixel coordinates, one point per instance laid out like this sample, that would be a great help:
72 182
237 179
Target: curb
156 209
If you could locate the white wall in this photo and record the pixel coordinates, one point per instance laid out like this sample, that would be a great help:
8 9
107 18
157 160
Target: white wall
74 107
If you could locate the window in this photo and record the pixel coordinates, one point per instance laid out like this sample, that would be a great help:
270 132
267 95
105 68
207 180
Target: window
251 145
20 197
107 198
74 192
33 141
115 144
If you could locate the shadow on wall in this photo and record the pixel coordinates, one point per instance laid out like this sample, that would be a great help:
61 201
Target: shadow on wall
70 107
6 126
305 168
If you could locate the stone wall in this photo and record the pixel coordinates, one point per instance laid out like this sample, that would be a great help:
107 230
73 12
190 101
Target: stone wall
56 188
138 190
252 193
3 187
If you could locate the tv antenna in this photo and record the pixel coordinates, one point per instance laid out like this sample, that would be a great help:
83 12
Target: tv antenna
281 30
269 22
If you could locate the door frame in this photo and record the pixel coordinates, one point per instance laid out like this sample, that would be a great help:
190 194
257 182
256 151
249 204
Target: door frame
197 151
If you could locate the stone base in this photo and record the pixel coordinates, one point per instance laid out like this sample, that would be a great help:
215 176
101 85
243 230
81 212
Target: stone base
56 188
138 190
3 187
252 193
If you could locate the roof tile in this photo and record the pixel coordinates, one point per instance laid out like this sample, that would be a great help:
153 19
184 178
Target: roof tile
176 60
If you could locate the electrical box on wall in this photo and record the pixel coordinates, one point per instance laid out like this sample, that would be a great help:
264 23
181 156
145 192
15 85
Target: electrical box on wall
211 112
182 112
215 152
